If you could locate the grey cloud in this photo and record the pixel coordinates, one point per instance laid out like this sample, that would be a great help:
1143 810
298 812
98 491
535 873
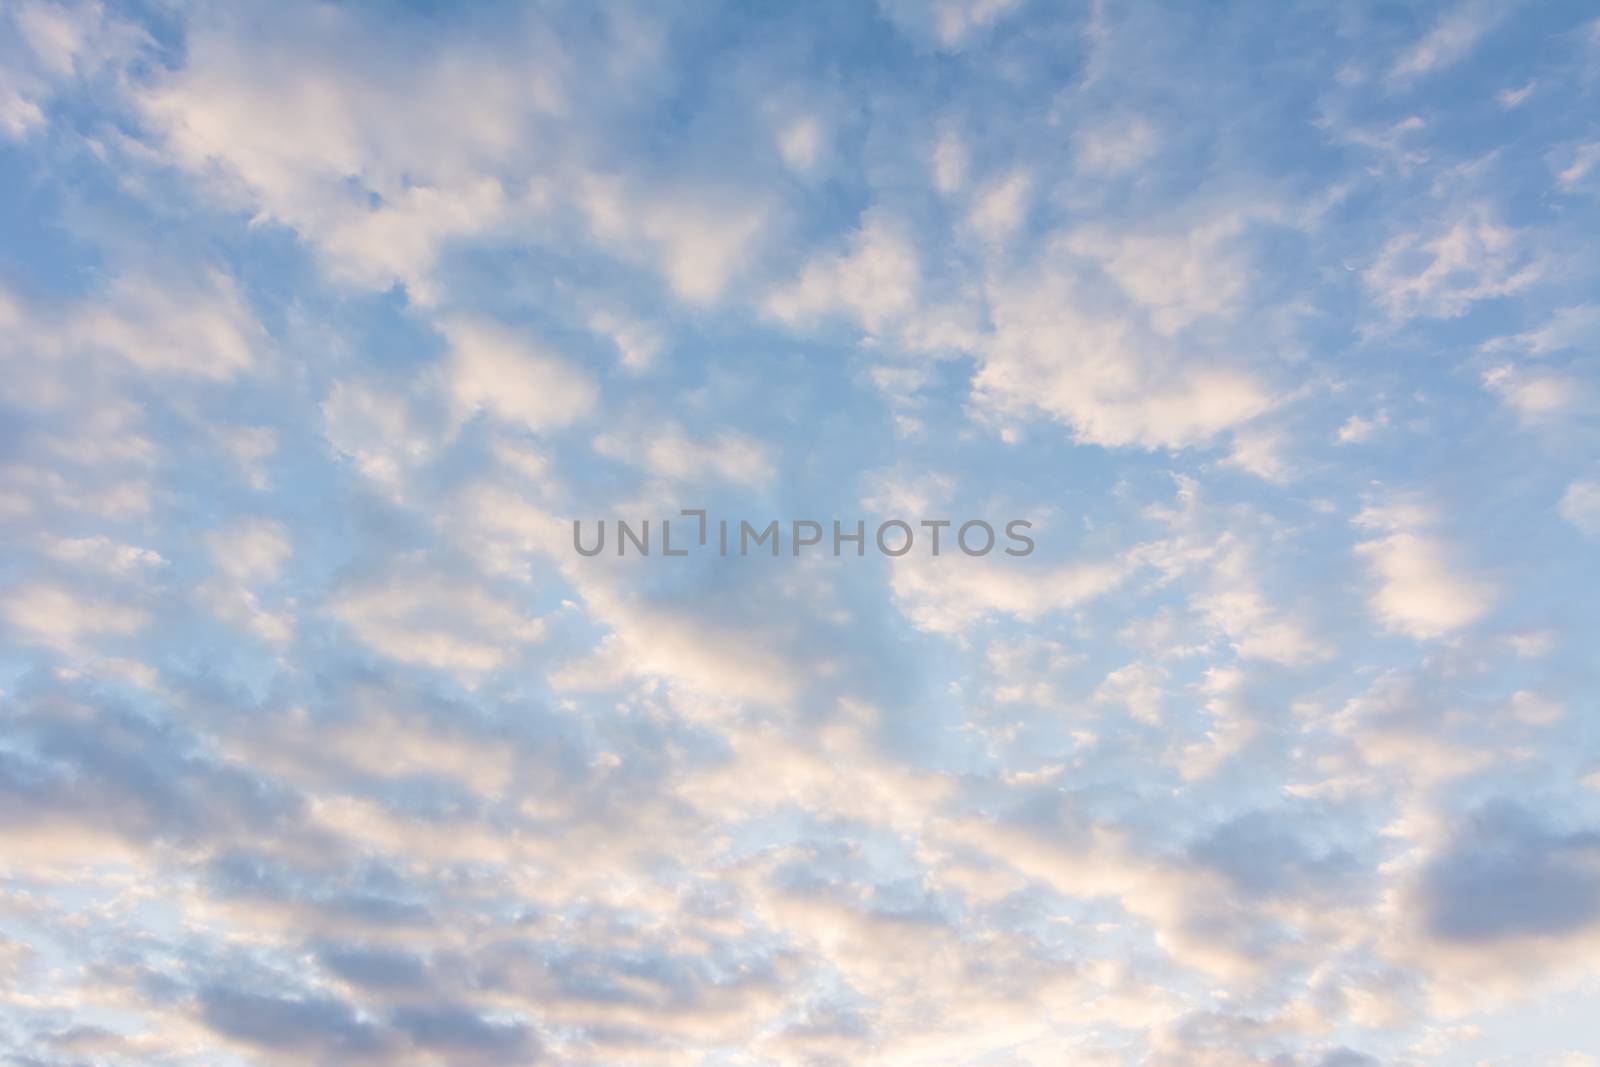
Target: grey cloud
1508 874
1266 854
368 892
1344 1057
320 1026
99 764
457 1029
375 967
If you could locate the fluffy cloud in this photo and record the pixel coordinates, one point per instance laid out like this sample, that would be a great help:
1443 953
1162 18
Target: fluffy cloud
496 370
1421 589
320 326
1580 505
64 620
1466 257
431 622
1105 378
1450 40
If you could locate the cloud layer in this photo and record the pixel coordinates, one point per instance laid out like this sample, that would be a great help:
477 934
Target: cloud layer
319 744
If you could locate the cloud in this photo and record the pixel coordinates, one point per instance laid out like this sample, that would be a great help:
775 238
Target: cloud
65 620
100 553
377 429
1584 159
1421 590
250 550
637 343
671 453
949 163
1571 327
736 659
429 621
1110 381
51 47
1580 505
1001 206
1468 257
952 593
1119 146
84 778
696 238
1358 429
1258 628
249 553
802 142
327 321
200 327
950 24
1178 278
1452 39
320 1026
1507 885
1539 396
1261 453
500 371
369 145
877 281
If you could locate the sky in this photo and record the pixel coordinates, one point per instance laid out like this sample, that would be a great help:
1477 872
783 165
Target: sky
321 324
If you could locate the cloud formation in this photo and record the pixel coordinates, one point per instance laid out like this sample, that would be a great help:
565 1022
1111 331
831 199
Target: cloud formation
319 743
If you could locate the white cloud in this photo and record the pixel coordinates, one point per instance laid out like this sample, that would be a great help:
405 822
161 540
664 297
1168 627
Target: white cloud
1421 590
949 24
1101 375
250 550
1539 396
401 240
1263 454
638 343
65 620
699 238
1536 709
249 553
1580 505
1451 40
1118 146
1001 206
1570 327
877 281
376 157
1258 629
1358 429
430 620
1514 98
239 606
498 370
377 429
1201 272
671 453
1139 687
201 327
729 658
49 45
1155 799
949 163
1469 257
1583 161
801 143
102 554
951 593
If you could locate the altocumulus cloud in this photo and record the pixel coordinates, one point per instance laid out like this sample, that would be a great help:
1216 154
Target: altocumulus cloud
321 323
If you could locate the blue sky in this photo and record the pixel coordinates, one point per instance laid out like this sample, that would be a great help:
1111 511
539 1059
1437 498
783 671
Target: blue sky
320 324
